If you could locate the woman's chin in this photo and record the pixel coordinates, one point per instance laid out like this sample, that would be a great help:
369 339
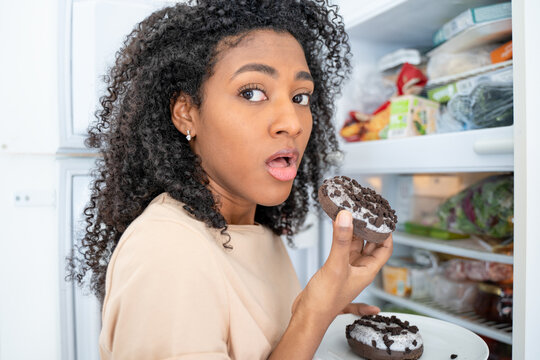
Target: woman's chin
274 198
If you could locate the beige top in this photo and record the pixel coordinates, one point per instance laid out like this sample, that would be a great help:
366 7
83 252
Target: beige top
174 292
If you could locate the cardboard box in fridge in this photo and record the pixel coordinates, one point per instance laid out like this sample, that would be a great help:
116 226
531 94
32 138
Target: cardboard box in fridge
412 115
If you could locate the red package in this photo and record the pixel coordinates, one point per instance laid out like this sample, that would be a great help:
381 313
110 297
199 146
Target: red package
411 80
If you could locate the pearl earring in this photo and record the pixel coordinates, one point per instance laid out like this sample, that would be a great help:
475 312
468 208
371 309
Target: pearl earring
188 136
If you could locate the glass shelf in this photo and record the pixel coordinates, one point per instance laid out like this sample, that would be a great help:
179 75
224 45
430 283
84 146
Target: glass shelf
467 319
463 247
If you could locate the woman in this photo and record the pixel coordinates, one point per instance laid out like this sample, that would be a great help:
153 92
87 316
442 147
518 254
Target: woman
215 134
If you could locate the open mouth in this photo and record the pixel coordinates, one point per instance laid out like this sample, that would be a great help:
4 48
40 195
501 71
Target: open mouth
282 164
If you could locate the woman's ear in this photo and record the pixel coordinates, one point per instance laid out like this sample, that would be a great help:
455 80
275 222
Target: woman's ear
184 115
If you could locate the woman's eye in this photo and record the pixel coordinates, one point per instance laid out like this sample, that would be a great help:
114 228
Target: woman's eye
302 99
253 95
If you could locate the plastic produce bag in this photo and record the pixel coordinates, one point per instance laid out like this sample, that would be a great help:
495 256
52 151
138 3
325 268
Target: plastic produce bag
446 122
488 105
370 89
476 270
485 208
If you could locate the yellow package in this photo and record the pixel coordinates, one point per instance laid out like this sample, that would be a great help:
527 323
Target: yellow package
396 280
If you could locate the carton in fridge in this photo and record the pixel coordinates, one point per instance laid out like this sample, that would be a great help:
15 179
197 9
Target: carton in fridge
412 115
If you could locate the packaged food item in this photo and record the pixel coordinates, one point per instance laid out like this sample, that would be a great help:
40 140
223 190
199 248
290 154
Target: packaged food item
446 122
418 197
477 270
470 18
422 230
457 295
396 279
412 115
411 80
369 89
390 64
443 94
405 278
377 126
446 64
502 53
363 127
489 105
494 302
485 208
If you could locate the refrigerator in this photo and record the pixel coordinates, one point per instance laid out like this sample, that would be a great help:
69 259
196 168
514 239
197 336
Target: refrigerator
79 43
430 165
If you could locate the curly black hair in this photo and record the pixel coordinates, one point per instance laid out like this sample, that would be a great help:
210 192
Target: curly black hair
173 51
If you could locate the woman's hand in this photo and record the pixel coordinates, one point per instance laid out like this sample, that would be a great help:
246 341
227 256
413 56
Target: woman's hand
351 266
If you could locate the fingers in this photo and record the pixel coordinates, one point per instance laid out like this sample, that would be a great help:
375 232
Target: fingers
361 309
357 246
341 242
374 256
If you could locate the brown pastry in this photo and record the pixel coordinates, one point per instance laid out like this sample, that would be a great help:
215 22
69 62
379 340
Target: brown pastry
373 218
376 337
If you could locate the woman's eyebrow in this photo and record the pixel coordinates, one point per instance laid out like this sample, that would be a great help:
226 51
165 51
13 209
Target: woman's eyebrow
303 75
269 70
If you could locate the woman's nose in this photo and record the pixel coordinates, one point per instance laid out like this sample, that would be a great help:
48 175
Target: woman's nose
287 120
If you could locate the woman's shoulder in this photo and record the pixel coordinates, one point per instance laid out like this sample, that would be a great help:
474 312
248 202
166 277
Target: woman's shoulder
165 222
167 210
158 247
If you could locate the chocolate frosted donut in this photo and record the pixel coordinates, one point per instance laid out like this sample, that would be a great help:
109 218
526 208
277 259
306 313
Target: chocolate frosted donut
373 218
377 337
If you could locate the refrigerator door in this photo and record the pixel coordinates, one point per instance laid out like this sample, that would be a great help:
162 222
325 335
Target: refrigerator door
94 32
80 311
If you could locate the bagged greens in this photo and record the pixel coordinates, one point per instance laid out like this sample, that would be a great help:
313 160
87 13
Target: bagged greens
488 105
485 208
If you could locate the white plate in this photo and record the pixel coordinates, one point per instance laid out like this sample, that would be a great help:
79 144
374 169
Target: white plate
441 339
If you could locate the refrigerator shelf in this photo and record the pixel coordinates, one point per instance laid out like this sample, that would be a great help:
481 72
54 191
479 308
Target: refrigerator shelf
465 151
464 247
466 319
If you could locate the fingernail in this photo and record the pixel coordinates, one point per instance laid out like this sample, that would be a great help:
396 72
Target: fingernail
344 219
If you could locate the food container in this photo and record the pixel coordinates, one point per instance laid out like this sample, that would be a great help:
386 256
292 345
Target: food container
461 269
403 277
422 230
412 115
457 295
494 302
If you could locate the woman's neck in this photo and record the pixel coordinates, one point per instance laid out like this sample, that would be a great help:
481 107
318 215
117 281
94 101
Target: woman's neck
235 211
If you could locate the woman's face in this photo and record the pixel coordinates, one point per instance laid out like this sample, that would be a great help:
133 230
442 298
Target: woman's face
255 121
